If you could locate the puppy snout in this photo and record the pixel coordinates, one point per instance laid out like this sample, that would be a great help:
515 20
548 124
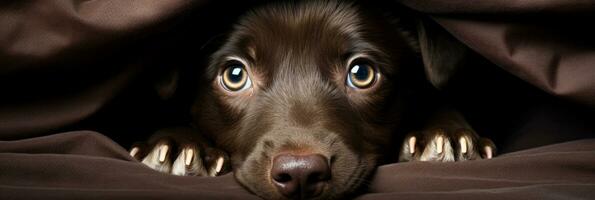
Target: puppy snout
300 176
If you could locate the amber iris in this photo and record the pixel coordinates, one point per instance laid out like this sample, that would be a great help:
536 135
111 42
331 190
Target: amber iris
234 77
361 75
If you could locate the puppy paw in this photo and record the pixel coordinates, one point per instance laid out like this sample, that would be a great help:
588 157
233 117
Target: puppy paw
180 155
443 146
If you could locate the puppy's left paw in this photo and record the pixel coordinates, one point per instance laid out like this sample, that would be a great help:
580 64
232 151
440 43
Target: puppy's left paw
444 146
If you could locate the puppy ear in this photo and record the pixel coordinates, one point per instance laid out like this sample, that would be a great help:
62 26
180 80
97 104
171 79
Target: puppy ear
442 54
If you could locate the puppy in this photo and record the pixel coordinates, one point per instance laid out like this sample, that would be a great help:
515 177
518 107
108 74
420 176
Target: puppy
304 100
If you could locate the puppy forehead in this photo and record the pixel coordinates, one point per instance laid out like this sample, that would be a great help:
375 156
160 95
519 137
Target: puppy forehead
315 37
317 29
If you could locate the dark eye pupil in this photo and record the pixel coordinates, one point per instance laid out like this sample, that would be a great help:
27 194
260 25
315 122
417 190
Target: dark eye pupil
360 72
235 74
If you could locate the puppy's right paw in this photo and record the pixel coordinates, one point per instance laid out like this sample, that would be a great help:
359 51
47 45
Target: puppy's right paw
180 155
443 146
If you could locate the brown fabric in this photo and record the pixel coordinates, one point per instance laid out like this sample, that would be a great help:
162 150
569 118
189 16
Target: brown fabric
46 46
560 171
87 165
550 43
571 7
36 30
77 65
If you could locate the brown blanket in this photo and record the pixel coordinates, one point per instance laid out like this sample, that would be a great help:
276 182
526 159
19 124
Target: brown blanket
87 165
70 65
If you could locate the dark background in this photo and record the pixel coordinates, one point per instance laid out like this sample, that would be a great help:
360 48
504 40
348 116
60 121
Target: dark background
92 65
499 105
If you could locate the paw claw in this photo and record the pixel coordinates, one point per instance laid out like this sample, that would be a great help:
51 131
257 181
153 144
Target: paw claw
216 164
439 144
159 157
463 143
412 142
163 149
188 157
134 151
219 164
188 162
488 152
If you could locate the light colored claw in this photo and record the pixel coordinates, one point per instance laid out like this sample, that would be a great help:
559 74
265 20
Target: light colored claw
488 152
412 141
463 143
439 144
188 157
219 165
134 151
163 152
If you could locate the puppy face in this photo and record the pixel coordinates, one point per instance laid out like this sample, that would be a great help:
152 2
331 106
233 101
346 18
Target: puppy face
304 97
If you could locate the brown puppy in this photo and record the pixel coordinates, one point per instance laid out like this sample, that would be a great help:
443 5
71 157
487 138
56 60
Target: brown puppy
306 99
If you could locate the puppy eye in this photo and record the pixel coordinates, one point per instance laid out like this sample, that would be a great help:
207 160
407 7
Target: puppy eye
235 77
361 74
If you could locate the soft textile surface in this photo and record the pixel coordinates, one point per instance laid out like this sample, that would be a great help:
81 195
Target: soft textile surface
87 165
91 65
53 68
547 43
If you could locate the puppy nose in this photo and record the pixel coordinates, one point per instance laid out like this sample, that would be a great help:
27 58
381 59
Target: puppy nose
300 176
